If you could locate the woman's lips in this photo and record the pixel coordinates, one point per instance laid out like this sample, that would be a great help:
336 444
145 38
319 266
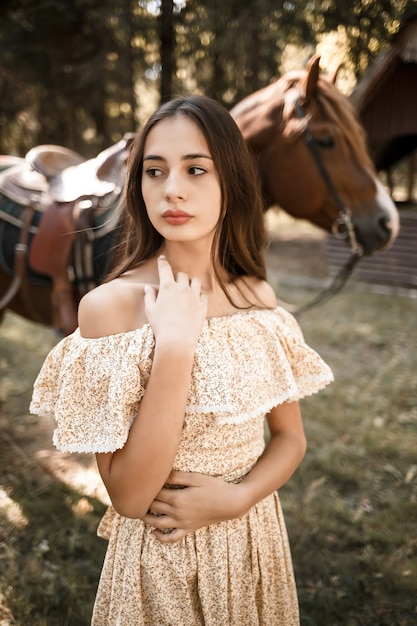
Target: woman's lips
176 217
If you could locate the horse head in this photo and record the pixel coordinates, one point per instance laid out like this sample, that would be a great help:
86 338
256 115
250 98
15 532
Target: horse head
313 160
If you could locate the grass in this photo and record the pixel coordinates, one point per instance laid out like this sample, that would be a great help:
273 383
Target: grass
50 556
350 508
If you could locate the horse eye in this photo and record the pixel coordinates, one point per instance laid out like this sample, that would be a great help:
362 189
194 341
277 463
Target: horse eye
326 142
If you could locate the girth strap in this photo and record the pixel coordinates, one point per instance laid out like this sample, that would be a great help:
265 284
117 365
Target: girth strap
21 249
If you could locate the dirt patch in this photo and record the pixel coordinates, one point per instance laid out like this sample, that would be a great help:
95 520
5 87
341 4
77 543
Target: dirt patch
295 248
31 447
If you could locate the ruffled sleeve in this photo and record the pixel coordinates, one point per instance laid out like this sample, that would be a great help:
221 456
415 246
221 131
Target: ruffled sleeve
248 363
93 387
307 371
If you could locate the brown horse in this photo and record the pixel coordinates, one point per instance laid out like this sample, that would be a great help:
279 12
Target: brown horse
312 162
312 157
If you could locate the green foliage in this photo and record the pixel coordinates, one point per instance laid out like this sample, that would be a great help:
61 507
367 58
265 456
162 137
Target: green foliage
54 561
81 73
69 71
368 25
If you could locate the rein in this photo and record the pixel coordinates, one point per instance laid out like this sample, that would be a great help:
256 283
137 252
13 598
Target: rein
342 227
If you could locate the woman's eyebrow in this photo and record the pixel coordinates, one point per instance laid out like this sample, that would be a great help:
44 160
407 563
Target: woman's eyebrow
186 157
197 155
153 157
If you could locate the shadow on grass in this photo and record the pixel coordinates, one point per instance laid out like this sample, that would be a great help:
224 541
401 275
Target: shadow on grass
351 567
50 555
351 505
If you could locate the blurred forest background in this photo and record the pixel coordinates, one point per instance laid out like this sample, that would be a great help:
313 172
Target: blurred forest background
81 73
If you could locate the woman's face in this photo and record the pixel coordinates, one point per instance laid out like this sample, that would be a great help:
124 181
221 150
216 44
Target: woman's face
180 183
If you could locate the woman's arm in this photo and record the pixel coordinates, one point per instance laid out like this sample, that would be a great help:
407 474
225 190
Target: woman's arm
282 456
208 500
135 474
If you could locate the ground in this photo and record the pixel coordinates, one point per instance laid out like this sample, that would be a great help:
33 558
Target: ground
350 508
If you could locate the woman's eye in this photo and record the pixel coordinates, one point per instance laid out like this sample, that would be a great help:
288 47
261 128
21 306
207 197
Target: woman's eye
196 171
153 172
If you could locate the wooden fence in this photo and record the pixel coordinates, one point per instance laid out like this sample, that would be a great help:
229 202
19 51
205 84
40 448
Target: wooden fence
396 266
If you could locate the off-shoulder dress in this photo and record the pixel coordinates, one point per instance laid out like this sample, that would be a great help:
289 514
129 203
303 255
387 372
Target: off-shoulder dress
235 573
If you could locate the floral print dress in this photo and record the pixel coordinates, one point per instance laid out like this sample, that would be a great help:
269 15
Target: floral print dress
234 573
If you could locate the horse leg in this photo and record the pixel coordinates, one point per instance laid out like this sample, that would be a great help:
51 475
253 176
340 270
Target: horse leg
36 306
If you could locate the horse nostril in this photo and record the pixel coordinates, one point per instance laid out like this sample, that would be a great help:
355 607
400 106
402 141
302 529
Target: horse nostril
381 232
383 224
375 234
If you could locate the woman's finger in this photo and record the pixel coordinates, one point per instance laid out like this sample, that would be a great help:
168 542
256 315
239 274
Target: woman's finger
161 522
195 285
175 535
183 279
186 479
149 295
165 271
160 507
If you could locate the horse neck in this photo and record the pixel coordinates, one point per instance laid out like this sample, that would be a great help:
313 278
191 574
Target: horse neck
255 114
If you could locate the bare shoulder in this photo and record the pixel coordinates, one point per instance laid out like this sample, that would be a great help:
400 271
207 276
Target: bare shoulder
263 292
111 308
266 294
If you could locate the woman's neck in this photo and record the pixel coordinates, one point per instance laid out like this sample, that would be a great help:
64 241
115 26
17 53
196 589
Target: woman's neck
194 261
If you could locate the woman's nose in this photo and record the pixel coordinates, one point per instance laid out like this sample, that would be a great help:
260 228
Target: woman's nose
174 188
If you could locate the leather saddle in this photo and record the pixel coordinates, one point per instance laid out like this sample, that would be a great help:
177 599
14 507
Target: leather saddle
64 175
58 181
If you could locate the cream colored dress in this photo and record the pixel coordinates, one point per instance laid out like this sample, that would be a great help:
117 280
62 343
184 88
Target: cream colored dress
235 573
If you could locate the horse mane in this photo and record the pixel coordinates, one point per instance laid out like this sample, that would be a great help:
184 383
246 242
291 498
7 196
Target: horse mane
337 110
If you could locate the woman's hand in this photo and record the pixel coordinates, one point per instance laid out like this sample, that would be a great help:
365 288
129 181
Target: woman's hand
206 500
177 309
135 473
197 501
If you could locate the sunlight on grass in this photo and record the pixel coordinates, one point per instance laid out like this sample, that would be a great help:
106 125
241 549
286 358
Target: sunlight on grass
12 511
351 506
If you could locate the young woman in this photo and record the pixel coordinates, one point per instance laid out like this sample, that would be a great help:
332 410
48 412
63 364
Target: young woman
176 362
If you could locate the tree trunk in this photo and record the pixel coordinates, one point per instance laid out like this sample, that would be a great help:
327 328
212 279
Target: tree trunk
130 64
167 49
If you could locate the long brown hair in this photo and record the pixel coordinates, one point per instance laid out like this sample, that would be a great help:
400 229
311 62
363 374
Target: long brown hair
240 233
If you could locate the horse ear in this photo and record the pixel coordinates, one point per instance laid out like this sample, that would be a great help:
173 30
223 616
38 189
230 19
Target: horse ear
332 78
309 83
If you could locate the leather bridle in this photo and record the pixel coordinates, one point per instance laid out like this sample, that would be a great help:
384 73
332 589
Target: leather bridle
342 227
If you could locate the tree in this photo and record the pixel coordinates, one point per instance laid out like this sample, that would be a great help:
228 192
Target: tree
368 25
76 68
71 69
167 48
